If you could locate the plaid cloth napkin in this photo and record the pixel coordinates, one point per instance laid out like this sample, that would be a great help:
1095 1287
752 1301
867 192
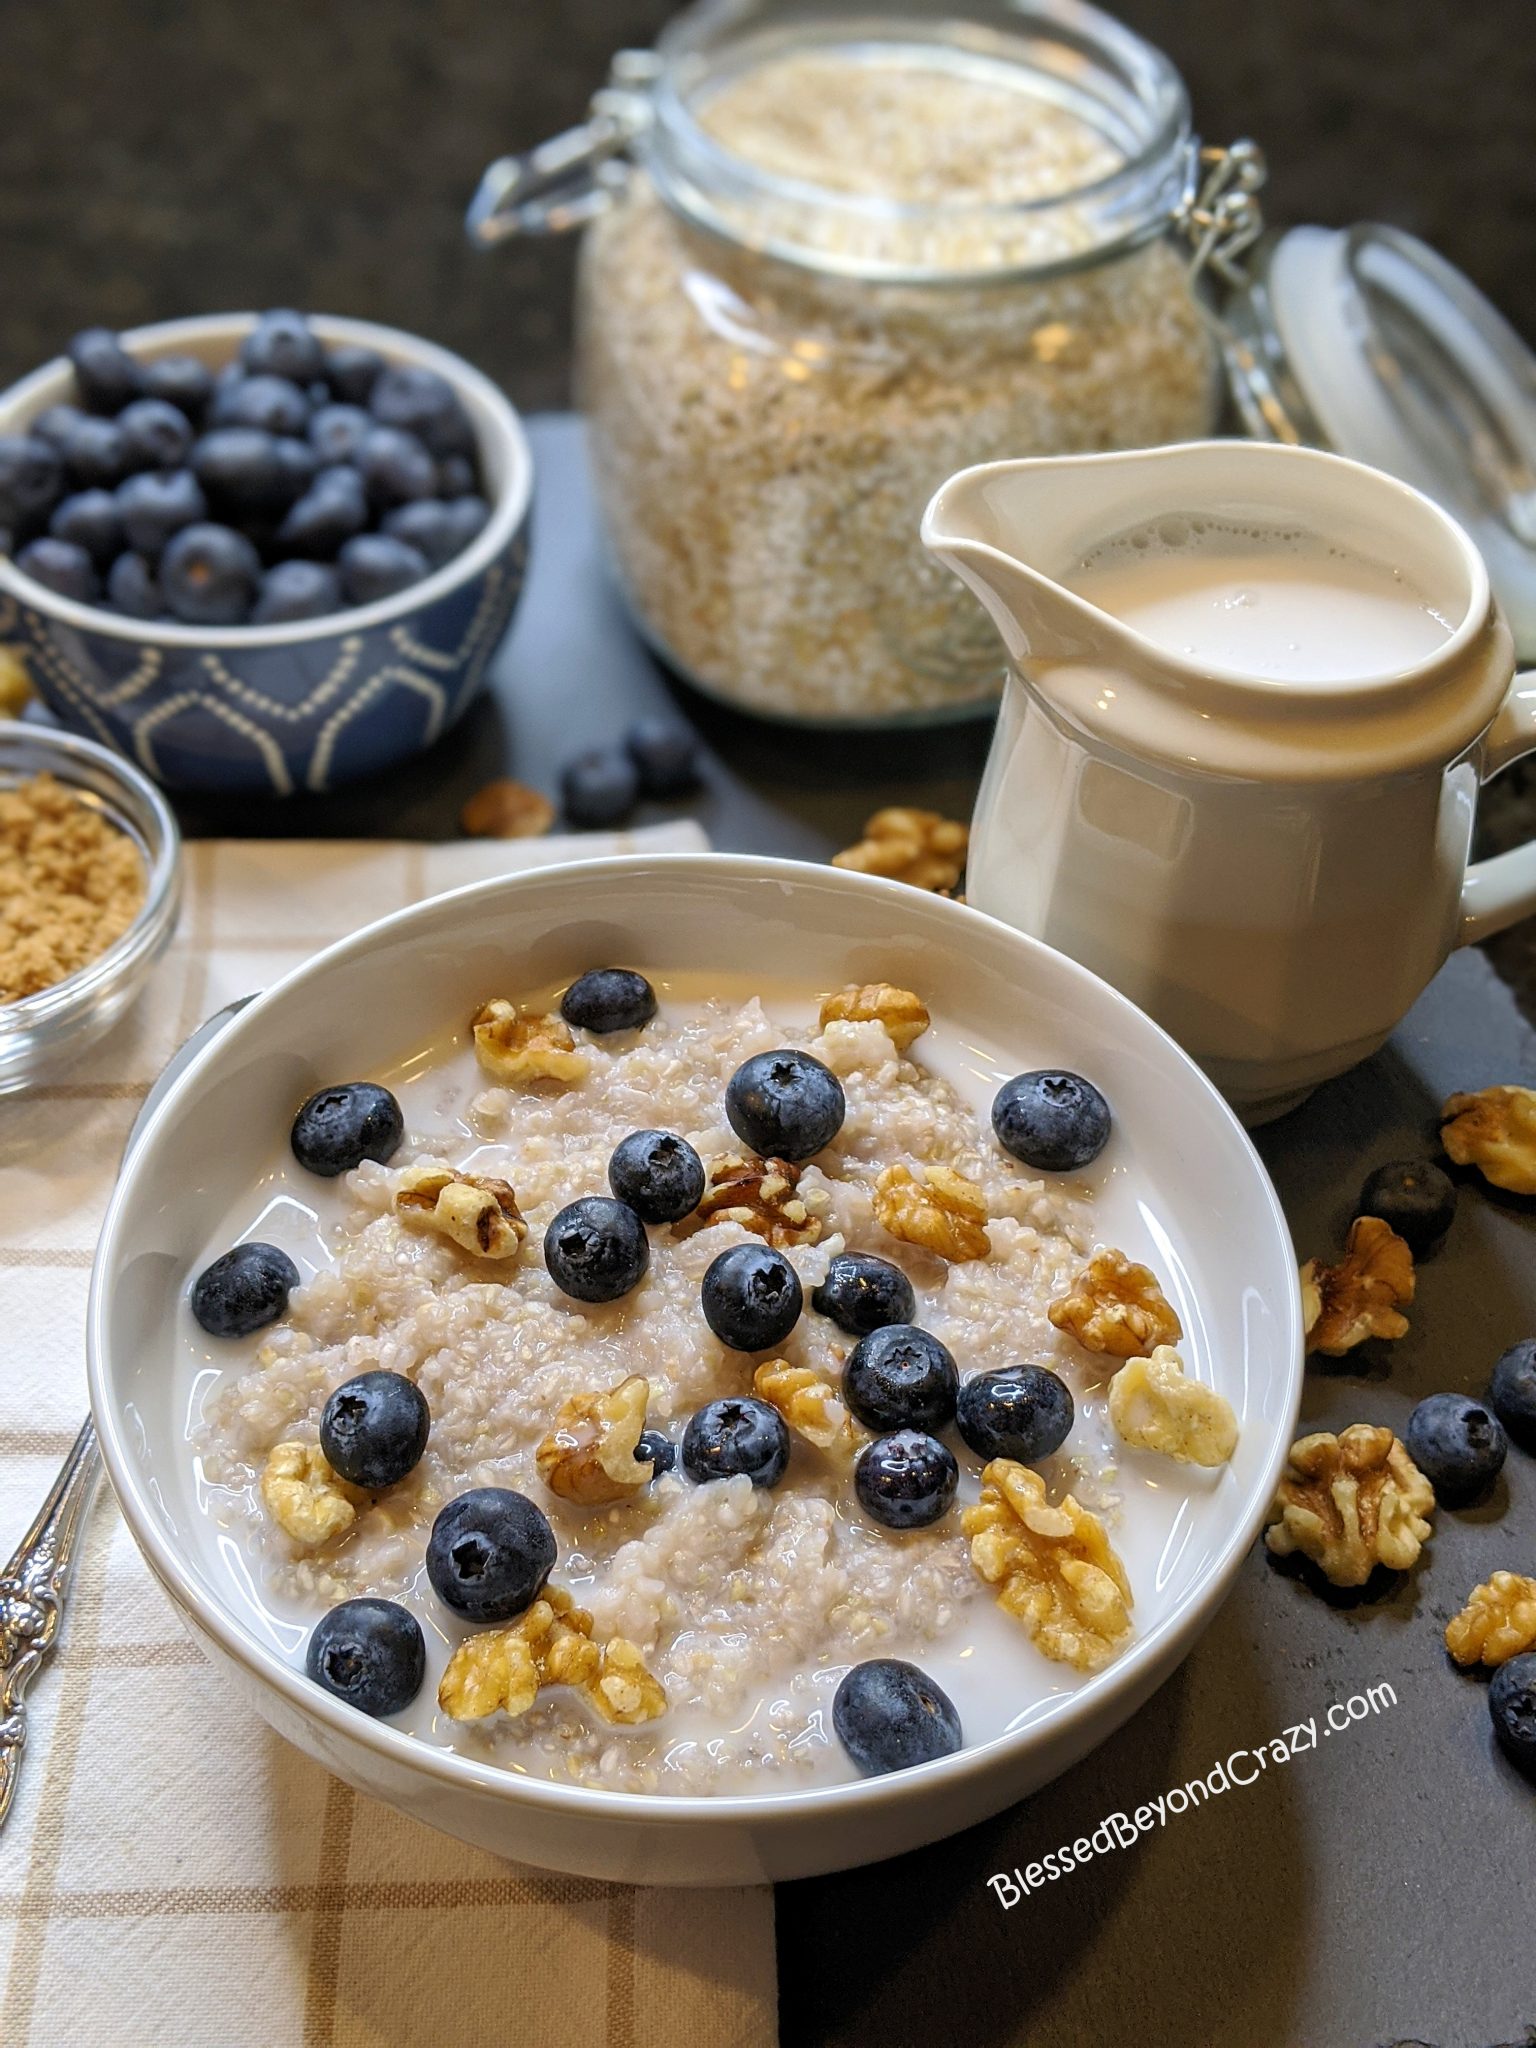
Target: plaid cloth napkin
173 1875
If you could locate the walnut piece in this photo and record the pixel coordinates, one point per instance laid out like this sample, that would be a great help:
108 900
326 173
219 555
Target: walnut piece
762 1195
15 684
1156 1406
1117 1308
943 1212
518 1050
306 1499
502 1671
507 810
1497 1623
920 847
589 1454
1350 1502
477 1211
1361 1296
1495 1131
810 1407
1053 1567
903 1015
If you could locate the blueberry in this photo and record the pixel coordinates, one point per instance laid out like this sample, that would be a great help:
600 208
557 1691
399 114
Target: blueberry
373 1429
1458 1444
659 1175
133 588
336 432
1023 1412
341 1126
157 503
656 1450
600 787
31 480
270 403
158 434
899 1377
609 999
394 467
373 566
60 566
330 512
422 403
297 590
862 1293
427 525
96 454
281 344
906 1480
352 372
890 1716
297 465
456 477
469 515
734 1436
181 381
751 1297
1512 1707
55 425
1054 1122
489 1554
369 1653
596 1249
245 472
1512 1392
209 575
107 375
667 757
90 519
785 1105
244 1290
1412 1197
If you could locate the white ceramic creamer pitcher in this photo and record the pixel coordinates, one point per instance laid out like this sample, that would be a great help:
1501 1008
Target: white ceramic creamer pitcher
1272 869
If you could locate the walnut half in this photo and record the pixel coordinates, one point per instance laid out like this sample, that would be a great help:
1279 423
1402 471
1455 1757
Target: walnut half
477 1211
921 847
1156 1406
502 1671
810 1407
762 1195
1362 1295
589 1454
1497 1623
903 1016
943 1212
1053 1567
519 1051
306 1499
1350 1502
1117 1308
1495 1131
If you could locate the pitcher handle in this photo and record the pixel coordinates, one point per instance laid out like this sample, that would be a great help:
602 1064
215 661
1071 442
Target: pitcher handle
1499 892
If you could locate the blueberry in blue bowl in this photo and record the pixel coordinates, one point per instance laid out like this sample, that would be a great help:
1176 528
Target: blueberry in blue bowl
609 999
1051 1120
890 1716
862 1293
374 1428
489 1554
244 1289
735 1436
1458 1444
341 1126
596 1249
751 1297
785 1104
907 1479
658 1174
1023 1412
369 1653
900 1377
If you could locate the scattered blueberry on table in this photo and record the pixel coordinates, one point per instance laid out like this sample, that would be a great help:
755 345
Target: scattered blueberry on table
1512 1392
1458 1444
666 758
900 1377
609 999
599 787
341 1126
751 1297
1512 1708
373 1429
732 1436
1023 1412
1055 1122
862 1293
906 1479
596 1249
889 1716
369 1653
489 1554
658 1174
785 1104
244 1290
1412 1197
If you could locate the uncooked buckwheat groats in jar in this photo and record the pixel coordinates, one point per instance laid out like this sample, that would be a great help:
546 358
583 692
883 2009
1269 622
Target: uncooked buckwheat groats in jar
767 431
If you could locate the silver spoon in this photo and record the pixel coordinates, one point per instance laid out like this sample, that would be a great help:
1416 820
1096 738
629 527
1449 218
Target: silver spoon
35 1584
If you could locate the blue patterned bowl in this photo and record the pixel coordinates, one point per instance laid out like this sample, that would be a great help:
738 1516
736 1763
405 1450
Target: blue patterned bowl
281 708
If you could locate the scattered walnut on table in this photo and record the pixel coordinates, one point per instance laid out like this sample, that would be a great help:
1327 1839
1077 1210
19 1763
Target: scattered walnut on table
1156 1406
903 1015
518 1050
1497 1623
1350 1502
810 1407
477 1211
763 1196
306 1499
1362 1295
1495 1131
909 845
1054 1567
589 1454
503 1670
943 1212
1117 1308
507 810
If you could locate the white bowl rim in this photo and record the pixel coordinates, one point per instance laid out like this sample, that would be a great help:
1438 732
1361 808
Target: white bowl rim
451 1767
507 514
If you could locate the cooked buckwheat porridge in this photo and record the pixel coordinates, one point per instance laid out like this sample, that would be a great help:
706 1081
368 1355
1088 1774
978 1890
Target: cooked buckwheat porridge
503 1364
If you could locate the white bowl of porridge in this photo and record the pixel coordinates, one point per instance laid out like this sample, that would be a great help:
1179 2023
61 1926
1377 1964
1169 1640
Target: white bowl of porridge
742 1415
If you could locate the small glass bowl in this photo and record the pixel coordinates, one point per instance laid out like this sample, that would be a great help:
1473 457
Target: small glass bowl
41 1033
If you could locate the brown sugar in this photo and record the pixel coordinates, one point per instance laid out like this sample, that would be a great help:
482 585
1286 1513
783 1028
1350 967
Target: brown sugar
70 884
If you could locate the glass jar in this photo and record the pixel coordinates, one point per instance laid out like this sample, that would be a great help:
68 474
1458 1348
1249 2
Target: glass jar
830 261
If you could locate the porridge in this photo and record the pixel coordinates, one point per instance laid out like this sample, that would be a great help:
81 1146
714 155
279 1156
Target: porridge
686 1371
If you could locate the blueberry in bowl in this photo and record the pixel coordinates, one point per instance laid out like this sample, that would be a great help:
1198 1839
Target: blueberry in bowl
890 1715
351 566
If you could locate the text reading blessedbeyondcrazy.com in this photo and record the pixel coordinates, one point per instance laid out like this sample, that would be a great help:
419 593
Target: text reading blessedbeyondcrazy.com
1242 1768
